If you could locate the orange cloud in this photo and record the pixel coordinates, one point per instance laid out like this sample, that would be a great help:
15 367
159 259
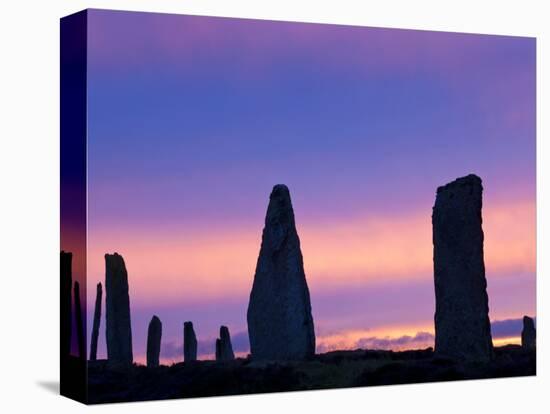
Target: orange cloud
396 338
512 340
193 265
510 237
375 248
386 337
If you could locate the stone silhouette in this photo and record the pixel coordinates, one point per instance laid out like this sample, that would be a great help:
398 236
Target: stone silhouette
117 311
224 349
154 334
528 334
280 325
79 320
97 321
462 328
66 285
189 342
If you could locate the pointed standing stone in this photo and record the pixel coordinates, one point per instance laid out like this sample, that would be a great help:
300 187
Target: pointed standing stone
528 334
462 328
224 349
79 322
189 342
66 286
280 325
97 321
117 311
154 334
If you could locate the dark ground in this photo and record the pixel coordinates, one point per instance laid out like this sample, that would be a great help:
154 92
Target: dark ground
331 370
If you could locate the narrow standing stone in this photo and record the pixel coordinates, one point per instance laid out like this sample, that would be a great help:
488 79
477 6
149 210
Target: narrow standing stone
79 322
97 321
189 342
117 311
528 334
66 286
280 325
462 328
154 334
224 349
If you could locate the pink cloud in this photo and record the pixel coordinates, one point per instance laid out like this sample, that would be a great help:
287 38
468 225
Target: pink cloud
363 250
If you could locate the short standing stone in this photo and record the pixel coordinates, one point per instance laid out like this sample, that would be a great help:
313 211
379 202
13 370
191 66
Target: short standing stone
97 321
528 334
280 325
66 287
154 335
462 327
224 349
117 315
189 342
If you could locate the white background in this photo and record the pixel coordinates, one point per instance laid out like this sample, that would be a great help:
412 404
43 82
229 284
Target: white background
29 204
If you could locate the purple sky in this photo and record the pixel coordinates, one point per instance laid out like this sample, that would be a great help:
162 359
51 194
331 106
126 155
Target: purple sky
192 120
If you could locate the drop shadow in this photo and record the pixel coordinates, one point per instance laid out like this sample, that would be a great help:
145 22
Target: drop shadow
51 386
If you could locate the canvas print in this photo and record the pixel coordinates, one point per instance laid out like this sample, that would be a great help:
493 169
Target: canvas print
252 206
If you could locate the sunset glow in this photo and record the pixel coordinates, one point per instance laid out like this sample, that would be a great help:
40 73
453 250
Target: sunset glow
367 250
193 120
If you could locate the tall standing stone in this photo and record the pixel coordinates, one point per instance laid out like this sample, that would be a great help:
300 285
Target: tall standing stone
66 287
528 334
224 349
154 335
189 342
79 321
117 315
462 327
280 325
97 321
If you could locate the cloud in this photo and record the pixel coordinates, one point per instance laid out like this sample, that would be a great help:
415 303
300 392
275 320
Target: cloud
240 342
174 349
419 340
392 339
183 258
171 350
507 328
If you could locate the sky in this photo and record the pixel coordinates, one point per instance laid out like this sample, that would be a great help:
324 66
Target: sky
192 121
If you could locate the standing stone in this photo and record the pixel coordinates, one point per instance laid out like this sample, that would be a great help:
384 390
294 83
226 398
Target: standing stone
154 334
462 328
117 315
224 349
79 320
189 342
97 320
66 286
528 334
280 325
